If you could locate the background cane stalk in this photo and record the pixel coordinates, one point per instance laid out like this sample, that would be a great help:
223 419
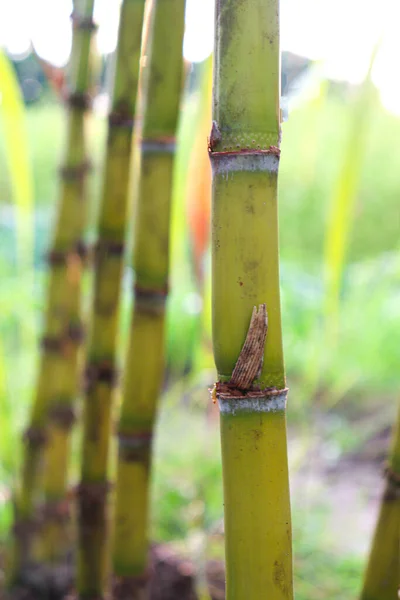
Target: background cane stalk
145 361
62 327
244 152
382 576
101 357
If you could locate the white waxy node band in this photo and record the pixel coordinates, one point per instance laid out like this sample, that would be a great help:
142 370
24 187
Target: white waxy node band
225 163
271 402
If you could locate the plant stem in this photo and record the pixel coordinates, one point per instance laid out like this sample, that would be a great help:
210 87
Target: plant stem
244 152
382 576
101 357
145 361
62 327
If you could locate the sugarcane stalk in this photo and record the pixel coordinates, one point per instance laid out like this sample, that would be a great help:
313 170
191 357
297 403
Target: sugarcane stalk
101 367
62 326
144 366
382 575
251 389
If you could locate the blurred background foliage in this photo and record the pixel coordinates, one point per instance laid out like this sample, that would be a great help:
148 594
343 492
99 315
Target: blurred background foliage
340 285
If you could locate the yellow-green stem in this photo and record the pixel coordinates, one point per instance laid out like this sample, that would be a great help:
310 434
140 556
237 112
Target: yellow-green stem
244 152
382 576
257 508
145 361
101 355
62 327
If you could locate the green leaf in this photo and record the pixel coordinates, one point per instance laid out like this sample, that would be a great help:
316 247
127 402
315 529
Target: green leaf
12 112
344 196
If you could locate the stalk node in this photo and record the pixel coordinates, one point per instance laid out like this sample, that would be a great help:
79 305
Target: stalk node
105 247
150 300
226 163
82 23
392 476
392 492
76 333
262 401
91 503
52 344
62 415
249 364
82 250
59 258
226 390
59 344
162 144
104 372
135 446
270 151
121 120
35 436
244 142
76 172
78 100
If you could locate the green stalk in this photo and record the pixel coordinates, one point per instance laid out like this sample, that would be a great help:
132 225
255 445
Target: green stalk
244 152
62 325
101 358
145 361
382 576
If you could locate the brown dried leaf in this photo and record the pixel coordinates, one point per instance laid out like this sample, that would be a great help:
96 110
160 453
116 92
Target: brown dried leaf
249 363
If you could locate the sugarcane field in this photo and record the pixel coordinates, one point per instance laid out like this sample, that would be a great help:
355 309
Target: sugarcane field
199 300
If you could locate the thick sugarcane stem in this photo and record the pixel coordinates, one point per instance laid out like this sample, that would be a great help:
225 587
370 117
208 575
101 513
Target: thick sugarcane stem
62 327
145 361
101 368
244 152
382 576
257 508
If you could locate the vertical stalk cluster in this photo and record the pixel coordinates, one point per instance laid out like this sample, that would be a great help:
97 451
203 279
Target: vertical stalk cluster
244 152
145 361
101 354
63 332
382 576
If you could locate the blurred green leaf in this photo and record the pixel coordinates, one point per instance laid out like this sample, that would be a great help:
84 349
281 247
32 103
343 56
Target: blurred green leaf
12 111
344 196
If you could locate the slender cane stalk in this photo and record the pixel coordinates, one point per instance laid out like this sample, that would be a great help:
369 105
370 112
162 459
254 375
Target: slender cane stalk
145 360
244 152
62 327
382 576
101 361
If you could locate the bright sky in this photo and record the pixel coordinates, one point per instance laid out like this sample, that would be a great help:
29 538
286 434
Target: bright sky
339 33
